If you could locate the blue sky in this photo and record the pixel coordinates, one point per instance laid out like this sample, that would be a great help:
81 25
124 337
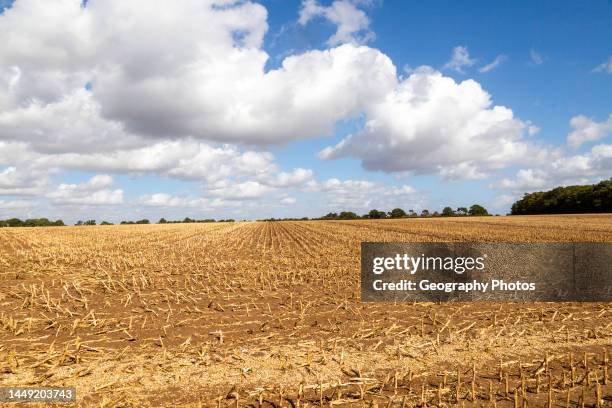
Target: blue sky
240 111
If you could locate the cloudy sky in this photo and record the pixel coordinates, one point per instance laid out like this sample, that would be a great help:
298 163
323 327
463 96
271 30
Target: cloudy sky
113 109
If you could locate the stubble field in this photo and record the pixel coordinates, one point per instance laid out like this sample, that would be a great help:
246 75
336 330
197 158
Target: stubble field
268 313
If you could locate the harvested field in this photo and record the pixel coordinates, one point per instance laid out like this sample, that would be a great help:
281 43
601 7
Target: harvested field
237 314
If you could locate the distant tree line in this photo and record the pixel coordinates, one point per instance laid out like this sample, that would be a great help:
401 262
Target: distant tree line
286 219
143 221
93 222
188 220
474 210
88 222
595 198
31 222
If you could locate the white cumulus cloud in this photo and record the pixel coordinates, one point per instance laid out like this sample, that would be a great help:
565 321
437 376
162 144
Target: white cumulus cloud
432 124
587 130
22 181
353 25
362 195
178 69
562 169
238 191
288 201
95 191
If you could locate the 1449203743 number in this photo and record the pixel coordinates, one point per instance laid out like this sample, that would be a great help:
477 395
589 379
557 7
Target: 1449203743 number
22 394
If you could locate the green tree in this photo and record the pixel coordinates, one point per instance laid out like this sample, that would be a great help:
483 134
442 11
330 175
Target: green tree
14 222
348 215
596 198
30 222
397 213
37 222
425 213
462 211
375 214
447 212
477 210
